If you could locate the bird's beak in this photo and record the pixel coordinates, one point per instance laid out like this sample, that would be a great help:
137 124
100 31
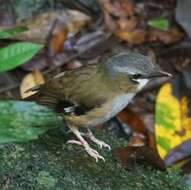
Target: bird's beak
159 74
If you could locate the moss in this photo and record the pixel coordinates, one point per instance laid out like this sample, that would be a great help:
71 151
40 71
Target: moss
45 180
49 163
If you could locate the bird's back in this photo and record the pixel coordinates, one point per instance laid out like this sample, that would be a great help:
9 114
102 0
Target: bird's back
87 87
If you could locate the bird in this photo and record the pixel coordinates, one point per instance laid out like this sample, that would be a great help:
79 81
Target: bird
93 94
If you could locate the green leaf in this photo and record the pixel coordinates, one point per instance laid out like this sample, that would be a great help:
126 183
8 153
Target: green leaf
22 121
159 23
7 32
162 111
163 142
16 54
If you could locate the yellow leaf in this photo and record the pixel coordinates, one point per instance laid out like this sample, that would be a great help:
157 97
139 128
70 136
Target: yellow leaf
173 124
29 81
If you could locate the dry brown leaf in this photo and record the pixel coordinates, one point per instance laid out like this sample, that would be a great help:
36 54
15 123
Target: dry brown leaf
142 135
79 16
130 155
137 140
38 62
119 14
133 120
40 26
29 81
142 144
137 36
169 36
124 20
57 37
63 30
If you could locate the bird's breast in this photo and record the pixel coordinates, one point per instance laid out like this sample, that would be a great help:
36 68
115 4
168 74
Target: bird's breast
119 103
112 108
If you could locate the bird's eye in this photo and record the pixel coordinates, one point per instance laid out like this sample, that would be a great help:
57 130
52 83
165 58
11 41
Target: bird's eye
136 76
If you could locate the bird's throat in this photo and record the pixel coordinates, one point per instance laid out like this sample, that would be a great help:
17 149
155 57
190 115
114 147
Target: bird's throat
142 83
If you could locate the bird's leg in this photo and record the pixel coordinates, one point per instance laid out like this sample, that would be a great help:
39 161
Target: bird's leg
93 153
91 136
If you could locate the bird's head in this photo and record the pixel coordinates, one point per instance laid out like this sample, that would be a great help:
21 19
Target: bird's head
136 66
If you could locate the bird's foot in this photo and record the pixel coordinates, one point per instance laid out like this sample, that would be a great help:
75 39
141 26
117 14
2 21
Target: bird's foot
81 141
100 143
93 153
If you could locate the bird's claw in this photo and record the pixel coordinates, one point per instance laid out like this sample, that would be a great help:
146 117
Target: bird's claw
100 143
103 144
93 153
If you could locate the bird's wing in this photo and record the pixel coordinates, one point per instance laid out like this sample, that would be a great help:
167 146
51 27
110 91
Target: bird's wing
73 92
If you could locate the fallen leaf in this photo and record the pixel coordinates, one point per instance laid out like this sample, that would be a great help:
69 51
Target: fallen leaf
88 46
79 16
137 140
130 155
127 21
29 81
130 118
137 36
97 47
173 121
40 26
169 36
142 143
142 135
38 62
119 14
133 120
90 40
56 39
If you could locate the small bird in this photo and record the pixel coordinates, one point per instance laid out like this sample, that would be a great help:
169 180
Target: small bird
93 94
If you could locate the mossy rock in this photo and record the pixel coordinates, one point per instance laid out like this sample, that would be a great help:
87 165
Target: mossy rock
49 163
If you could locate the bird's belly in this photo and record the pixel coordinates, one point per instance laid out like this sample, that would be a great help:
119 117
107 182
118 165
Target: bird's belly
118 104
